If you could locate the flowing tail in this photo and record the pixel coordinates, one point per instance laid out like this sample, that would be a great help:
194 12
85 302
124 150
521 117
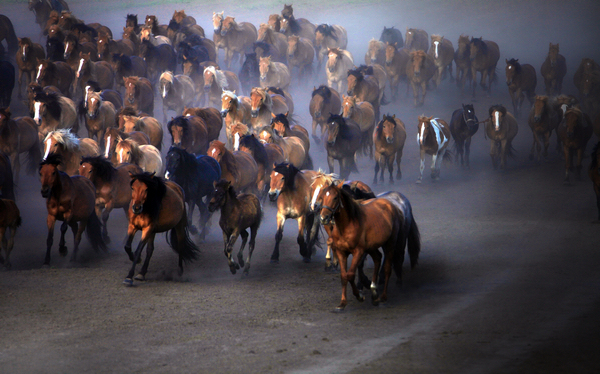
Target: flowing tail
414 243
94 233
179 240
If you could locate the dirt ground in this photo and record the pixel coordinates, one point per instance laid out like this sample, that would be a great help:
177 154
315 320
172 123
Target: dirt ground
508 278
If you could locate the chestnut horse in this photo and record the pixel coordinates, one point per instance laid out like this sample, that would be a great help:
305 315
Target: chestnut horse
442 52
148 125
27 57
416 40
365 88
100 116
501 128
265 155
433 136
238 38
139 94
484 58
237 167
363 114
594 173
342 140
156 206
575 131
462 59
113 136
419 70
263 105
18 136
463 125
300 54
396 62
339 61
71 200
70 148
212 119
554 69
292 146
189 133
281 125
10 218
57 74
107 46
389 137
273 73
521 80
302 27
234 109
275 39
542 120
324 100
375 52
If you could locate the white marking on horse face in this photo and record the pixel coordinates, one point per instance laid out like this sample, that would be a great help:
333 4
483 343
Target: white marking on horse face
167 174
564 108
107 147
79 68
436 43
276 174
36 107
47 148
213 151
164 93
24 52
420 138
121 156
327 194
37 78
509 67
497 117
236 143
93 100
314 198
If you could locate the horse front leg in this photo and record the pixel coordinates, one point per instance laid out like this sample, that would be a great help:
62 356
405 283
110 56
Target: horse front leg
434 174
191 205
504 148
233 266
50 220
141 276
350 275
244 235
343 261
546 144
304 252
494 153
62 247
390 164
415 93
533 147
330 163
467 152
104 214
376 256
136 258
131 230
278 237
578 164
378 158
253 232
78 230
421 167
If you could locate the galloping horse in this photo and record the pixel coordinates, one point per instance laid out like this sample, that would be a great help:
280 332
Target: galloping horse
396 62
391 35
263 105
238 37
389 137
158 59
189 133
237 167
238 213
359 229
575 131
27 57
363 114
249 73
484 58
587 81
375 52
501 128
112 186
300 54
281 124
554 69
70 148
292 146
215 81
521 80
462 59
324 100
234 109
41 9
416 40
342 140
265 155
148 125
99 71
339 61
156 206
156 40
594 173
107 46
433 136
275 39
147 157
542 120
73 47
9 219
273 73
52 112
463 125
113 136
100 116
302 27
139 94
127 66
211 117
71 200
329 37
57 74
365 88
177 92
419 70
442 52
17 136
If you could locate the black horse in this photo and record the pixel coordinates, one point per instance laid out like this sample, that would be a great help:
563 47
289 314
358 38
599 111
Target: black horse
195 174
249 74
189 51
158 59
463 126
392 36
55 49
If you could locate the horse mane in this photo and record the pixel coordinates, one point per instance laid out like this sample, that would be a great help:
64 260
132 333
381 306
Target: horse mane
515 63
365 69
356 73
386 117
327 30
136 152
71 37
132 17
329 178
289 172
594 155
230 190
228 159
103 169
352 207
221 78
269 130
275 90
180 121
52 159
66 138
174 25
323 91
157 189
127 111
341 121
231 95
123 60
480 44
281 117
258 150
265 46
497 107
51 99
267 101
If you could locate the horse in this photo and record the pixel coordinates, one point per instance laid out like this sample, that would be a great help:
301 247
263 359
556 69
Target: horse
100 116
375 52
177 92
433 136
156 28
55 47
18 136
9 219
238 37
291 189
329 37
265 155
113 136
249 75
127 66
156 206
542 120
342 140
238 213
139 94
156 40
147 157
134 37
391 35
7 80
111 184
554 69
33 88
442 52
70 148
188 51
273 73
107 46
338 63
73 47
71 199
263 105
52 112
302 27
419 70
594 174
148 125
292 146
484 58
237 167
587 81
288 100
300 54
417 40
521 80
234 109
275 22
195 70
195 175
365 88
324 100
216 81
281 125
57 74
274 39
359 229
189 133
26 58
41 9
389 137
7 32
501 128
131 20
463 125
575 131
462 59
99 71
211 117
158 58
363 114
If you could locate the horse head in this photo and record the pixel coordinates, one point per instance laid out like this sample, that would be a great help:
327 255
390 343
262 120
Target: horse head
49 174
436 40
334 123
216 150
178 128
292 45
147 192
217 19
348 106
497 114
264 65
280 123
355 76
417 61
553 53
334 55
94 102
131 90
227 24
390 52
513 68
331 202
282 178
173 161
469 115
288 11
222 189
423 129
573 122
463 45
477 46
275 22
387 126
539 106
257 100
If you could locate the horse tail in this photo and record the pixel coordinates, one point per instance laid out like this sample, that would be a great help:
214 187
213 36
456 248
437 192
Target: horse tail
414 243
94 232
179 240
308 163
34 156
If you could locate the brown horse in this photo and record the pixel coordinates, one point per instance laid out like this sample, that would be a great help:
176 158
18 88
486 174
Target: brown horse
501 128
342 140
324 100
57 74
273 73
148 125
417 40
521 80
18 136
10 218
300 54
52 112
292 146
419 70
71 200
113 136
339 61
574 131
587 81
274 22
554 69
433 138
212 119
484 58
156 206
389 138
157 29
112 186
73 47
594 173
281 125
100 116
189 133
177 92
127 66
329 37
396 62
302 27
238 38
375 52
107 46
7 32
139 94
234 109
265 155
147 157
363 114
275 39
238 213
463 125
365 88
237 167
70 148
359 229
147 34
263 105
130 34
215 82
462 59
27 57
542 120
442 52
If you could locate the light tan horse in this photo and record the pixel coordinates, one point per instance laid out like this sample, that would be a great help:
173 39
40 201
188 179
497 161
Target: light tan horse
375 52
238 37
100 116
220 41
147 157
363 114
148 125
339 61
442 52
71 149
273 38
215 82
262 105
329 37
300 54
275 22
273 74
293 147
177 92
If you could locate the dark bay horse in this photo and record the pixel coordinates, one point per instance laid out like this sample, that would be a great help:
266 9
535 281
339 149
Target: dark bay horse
484 58
342 140
57 74
158 58
196 175
249 75
365 88
127 66
554 69
19 135
417 40
189 133
501 128
42 8
360 229
542 120
433 136
7 185
7 32
521 80
27 57
211 117
265 155
156 206
574 131
389 137
463 125
324 100
238 213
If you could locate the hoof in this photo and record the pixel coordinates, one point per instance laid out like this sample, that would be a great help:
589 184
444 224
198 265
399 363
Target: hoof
241 261
360 298
274 261
232 269
306 260
339 308
63 251
419 181
128 282
139 277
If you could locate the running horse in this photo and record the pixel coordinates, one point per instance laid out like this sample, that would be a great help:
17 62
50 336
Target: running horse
19 135
70 148
442 52
177 92
139 94
419 70
265 155
375 52
542 120
189 133
156 206
329 37
324 100
521 80
273 73
292 146
365 88
554 69
391 35
27 56
238 37
148 125
484 58
363 114
342 140
147 157
396 62
433 136
416 40
211 117
7 32
42 8
501 128
263 105
300 54
463 125
237 167
462 59
575 131
234 109
389 137
101 115
215 82
52 112
339 61
274 39
58 74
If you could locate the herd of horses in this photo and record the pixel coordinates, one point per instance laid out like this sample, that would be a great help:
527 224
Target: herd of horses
85 77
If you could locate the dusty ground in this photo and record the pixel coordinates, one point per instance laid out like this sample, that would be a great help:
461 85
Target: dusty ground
508 278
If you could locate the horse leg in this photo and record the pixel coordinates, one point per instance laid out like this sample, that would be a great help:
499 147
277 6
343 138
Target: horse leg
390 164
415 93
314 131
568 163
330 163
467 153
473 80
204 217
136 258
278 237
434 174
105 214
533 146
450 71
9 247
253 232
304 252
229 248
494 153
62 248
387 268
376 256
578 164
378 158
3 245
78 230
131 230
398 161
421 167
192 229
350 275
343 261
141 276
504 149
244 235
546 145
312 232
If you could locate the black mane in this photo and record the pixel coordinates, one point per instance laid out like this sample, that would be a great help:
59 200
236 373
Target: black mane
103 169
180 121
123 60
281 118
289 172
256 147
323 91
327 30
515 63
498 107
357 73
51 100
480 44
156 192
52 159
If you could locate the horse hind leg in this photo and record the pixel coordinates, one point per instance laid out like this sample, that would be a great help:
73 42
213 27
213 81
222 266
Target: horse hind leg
141 276
253 232
240 255
390 165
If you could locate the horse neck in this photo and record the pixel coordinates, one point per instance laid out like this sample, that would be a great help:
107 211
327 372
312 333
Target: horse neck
228 164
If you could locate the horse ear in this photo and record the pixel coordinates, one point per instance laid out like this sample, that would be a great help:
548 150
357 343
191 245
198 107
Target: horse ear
506 60
273 115
287 113
214 182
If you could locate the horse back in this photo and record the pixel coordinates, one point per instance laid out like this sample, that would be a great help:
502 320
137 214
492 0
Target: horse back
84 197
247 169
380 223
172 209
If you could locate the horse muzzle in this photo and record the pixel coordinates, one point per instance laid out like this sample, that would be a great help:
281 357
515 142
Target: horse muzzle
273 195
131 100
350 92
137 208
206 88
46 192
254 113
212 207
317 114
224 113
326 220
389 139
